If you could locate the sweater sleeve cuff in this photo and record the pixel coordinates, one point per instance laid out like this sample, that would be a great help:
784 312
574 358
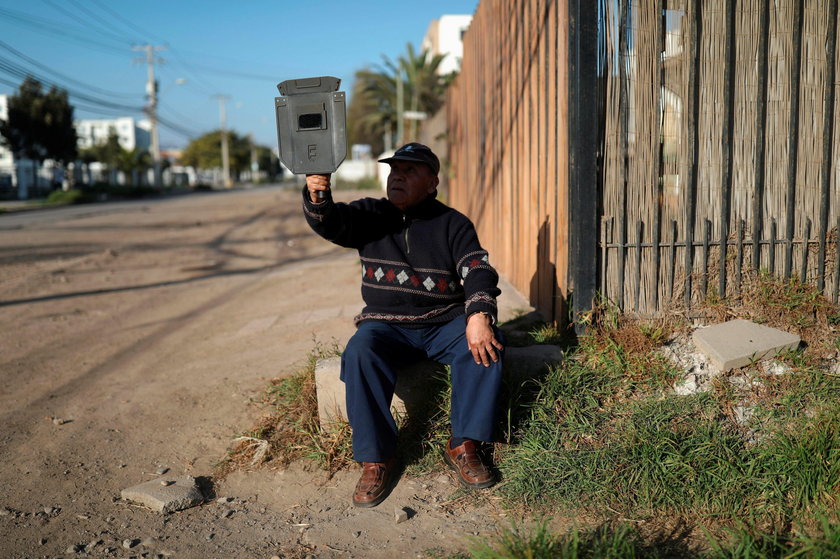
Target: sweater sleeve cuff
319 210
483 303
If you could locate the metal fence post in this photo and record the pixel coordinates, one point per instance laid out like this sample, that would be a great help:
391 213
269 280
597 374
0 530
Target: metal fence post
583 149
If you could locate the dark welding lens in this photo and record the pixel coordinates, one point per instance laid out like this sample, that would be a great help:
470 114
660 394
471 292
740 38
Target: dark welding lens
309 121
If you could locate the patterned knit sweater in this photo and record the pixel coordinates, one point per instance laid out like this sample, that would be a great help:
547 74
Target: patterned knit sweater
419 268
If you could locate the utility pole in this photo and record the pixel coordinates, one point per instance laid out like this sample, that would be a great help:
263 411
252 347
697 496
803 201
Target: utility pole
151 93
225 155
255 166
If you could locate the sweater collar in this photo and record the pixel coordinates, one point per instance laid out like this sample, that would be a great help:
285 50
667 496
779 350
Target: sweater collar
425 209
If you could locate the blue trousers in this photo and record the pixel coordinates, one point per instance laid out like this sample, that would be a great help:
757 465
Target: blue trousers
369 368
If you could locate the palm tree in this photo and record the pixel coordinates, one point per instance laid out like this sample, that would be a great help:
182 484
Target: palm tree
129 161
377 96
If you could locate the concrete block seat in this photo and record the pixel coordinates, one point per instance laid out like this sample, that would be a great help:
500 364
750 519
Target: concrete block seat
416 385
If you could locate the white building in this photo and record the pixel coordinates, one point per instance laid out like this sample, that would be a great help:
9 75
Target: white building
446 36
131 133
18 175
7 166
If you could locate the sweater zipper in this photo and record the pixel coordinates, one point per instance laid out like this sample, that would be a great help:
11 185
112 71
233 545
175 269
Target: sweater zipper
406 222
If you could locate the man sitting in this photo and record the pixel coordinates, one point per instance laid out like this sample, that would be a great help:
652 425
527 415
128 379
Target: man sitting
429 291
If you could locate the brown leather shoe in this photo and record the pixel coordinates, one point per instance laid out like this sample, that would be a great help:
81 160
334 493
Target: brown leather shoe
464 459
375 483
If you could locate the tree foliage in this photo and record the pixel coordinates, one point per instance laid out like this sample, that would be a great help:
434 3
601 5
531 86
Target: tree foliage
373 108
268 162
108 152
39 125
206 152
111 154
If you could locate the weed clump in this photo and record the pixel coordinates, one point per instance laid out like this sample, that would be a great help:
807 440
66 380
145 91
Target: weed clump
290 429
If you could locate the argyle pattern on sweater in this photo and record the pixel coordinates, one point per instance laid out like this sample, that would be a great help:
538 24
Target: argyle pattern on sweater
421 267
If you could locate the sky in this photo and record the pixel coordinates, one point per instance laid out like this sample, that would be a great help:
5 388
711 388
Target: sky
240 49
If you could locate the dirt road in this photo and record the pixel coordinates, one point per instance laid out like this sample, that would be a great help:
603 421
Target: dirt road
135 336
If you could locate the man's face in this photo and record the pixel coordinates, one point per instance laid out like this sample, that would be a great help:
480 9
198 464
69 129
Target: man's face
410 183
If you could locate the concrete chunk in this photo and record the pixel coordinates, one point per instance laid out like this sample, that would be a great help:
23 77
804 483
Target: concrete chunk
740 342
400 515
182 493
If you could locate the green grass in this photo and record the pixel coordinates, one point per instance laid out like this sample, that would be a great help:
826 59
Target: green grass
547 334
602 435
745 542
626 541
528 328
68 197
606 436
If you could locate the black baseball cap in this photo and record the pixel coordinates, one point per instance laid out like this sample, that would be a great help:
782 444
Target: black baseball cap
415 152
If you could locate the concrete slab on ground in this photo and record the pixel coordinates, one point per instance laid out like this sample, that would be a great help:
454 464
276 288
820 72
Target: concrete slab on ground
511 303
165 494
737 343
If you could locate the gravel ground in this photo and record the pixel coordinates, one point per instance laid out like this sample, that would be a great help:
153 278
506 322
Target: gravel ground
137 336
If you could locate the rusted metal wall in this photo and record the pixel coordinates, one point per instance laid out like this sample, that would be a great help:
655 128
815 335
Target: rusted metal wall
508 143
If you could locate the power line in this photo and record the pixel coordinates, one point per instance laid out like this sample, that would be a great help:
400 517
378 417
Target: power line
174 53
93 14
109 111
10 68
98 110
9 83
63 76
88 103
245 75
203 87
226 61
84 22
126 22
209 87
177 116
186 132
49 27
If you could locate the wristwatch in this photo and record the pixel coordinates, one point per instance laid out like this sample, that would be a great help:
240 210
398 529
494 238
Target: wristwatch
487 314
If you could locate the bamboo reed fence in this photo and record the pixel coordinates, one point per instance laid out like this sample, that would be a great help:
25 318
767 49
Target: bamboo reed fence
717 153
720 147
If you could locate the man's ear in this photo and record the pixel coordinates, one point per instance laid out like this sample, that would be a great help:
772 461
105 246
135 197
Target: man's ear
433 184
